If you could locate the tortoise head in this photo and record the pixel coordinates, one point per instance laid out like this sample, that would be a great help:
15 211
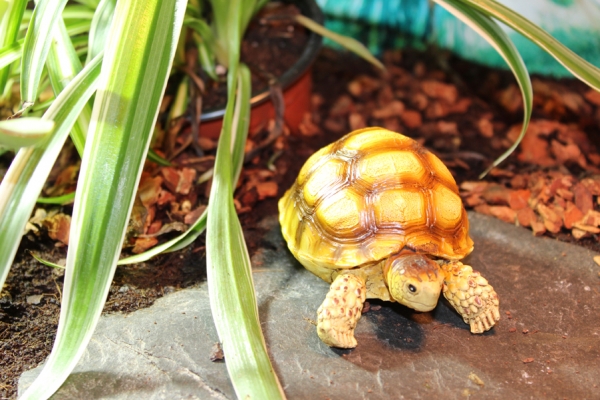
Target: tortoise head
413 280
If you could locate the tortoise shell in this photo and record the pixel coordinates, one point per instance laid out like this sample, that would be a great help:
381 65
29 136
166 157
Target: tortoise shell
367 196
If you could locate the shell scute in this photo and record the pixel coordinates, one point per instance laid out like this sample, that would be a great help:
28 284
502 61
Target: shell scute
340 213
313 161
400 209
440 171
447 207
356 141
324 180
385 167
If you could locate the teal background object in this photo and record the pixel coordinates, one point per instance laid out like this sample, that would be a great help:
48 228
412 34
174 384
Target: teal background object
388 24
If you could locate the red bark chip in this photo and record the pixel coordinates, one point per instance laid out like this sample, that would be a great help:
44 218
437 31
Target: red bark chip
186 181
356 121
583 198
552 221
497 194
439 90
143 244
392 109
149 190
518 199
461 106
538 228
485 127
593 97
59 227
592 185
510 98
266 189
572 214
526 216
474 186
411 119
503 213
437 109
344 105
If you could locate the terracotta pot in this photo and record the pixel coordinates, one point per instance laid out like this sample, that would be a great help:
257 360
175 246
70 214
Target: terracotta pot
295 82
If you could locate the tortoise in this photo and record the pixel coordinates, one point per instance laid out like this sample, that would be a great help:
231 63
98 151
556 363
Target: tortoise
378 216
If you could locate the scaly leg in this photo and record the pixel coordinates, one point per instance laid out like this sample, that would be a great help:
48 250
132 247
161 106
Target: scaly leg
341 310
471 295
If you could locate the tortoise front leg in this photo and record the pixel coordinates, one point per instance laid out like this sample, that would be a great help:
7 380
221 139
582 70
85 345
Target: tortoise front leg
471 295
341 310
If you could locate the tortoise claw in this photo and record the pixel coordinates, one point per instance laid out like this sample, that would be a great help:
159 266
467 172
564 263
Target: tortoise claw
472 296
485 320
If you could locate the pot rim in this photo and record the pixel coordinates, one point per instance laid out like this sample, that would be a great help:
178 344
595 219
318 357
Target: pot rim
310 9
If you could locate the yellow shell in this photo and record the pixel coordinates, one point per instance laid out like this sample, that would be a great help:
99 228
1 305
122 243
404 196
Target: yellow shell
367 196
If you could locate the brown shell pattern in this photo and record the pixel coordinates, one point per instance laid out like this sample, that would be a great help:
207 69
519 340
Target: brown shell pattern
369 195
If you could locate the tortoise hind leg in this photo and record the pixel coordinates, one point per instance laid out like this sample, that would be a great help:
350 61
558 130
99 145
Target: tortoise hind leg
471 295
341 310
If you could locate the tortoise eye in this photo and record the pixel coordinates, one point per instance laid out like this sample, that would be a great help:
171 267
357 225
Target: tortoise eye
412 288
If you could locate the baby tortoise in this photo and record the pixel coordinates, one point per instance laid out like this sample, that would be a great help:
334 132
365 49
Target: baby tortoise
379 216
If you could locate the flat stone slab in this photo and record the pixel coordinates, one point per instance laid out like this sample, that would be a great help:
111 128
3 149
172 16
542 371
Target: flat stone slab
546 345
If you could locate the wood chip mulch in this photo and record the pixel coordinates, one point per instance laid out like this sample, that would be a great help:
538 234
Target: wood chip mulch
551 184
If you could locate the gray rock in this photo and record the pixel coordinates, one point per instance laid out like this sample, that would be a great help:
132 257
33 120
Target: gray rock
547 343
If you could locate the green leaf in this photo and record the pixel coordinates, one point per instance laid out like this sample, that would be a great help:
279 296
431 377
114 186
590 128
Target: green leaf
76 12
349 43
201 27
152 156
24 132
139 53
46 262
491 32
229 275
29 170
36 47
93 4
180 102
178 243
100 27
59 200
11 53
579 67
206 58
241 121
206 43
9 31
63 65
77 27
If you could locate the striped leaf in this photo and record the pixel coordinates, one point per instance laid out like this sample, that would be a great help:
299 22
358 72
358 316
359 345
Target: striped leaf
11 53
24 132
30 168
135 69
491 32
9 31
229 272
63 65
36 47
347 42
100 27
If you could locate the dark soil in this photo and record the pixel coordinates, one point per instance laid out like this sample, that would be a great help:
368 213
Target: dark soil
280 41
28 324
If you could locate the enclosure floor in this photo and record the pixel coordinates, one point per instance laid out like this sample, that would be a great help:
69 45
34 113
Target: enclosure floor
546 344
